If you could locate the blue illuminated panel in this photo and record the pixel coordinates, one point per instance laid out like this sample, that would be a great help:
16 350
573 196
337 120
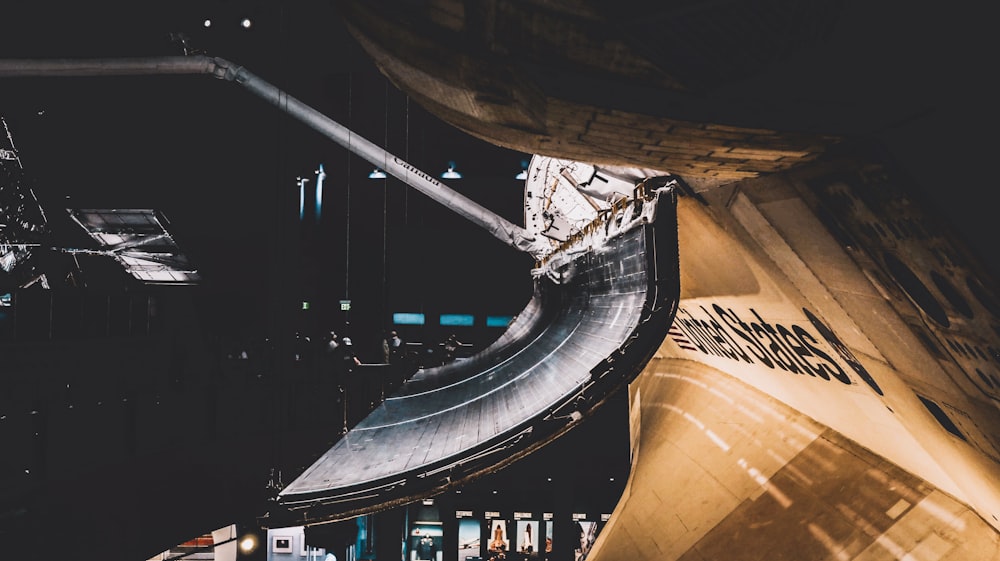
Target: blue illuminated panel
407 318
498 321
457 319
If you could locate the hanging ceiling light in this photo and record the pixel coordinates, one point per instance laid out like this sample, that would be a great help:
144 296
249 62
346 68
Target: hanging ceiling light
451 173
523 174
376 174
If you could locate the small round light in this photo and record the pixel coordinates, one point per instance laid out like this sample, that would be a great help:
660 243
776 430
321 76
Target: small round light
248 543
246 23
207 23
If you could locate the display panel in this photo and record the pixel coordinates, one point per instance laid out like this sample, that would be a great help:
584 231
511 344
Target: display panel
425 542
407 318
364 543
499 542
457 319
469 530
547 548
527 539
498 321
587 532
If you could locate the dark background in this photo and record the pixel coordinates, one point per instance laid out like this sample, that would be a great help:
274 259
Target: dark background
222 165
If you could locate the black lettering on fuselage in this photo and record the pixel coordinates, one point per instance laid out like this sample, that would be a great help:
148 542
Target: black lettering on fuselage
825 369
694 330
691 328
723 333
736 352
744 331
773 348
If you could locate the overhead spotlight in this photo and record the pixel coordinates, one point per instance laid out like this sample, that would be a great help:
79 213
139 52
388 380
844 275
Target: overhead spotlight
207 23
246 23
301 181
376 174
523 174
451 173
248 543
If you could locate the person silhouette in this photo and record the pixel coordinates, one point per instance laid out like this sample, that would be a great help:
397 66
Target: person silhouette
451 345
395 347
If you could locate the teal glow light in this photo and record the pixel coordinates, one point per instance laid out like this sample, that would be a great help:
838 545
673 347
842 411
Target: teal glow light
320 176
466 320
498 321
407 318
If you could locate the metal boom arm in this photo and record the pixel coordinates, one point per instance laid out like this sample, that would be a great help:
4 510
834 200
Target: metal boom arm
501 228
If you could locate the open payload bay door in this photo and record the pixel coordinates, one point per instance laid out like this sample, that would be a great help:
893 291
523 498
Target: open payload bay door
600 309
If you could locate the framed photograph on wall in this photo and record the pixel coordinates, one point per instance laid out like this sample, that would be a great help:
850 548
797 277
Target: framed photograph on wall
527 539
468 539
587 532
547 548
499 542
281 544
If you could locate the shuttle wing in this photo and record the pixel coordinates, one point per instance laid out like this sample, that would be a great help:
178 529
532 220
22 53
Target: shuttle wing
596 318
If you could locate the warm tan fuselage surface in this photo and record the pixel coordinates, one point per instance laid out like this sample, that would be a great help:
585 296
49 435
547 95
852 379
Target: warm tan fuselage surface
824 393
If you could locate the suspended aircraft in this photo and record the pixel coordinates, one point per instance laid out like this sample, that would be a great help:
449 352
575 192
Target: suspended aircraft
828 385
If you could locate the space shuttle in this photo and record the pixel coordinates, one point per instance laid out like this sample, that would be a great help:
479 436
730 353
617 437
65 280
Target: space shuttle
820 379
828 387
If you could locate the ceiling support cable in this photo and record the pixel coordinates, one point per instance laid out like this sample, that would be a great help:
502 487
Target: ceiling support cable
385 206
347 236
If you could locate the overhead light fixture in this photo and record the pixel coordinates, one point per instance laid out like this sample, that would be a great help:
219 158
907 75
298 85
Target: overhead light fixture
248 543
451 173
320 176
524 171
376 174
246 23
